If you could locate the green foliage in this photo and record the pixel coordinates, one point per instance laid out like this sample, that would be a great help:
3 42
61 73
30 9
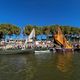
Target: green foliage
1 35
28 29
51 29
9 29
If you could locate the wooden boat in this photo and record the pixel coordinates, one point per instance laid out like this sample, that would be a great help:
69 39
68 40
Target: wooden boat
64 50
23 50
60 39
17 51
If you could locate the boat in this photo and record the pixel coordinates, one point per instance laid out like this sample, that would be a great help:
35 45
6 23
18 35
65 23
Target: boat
41 51
31 37
16 51
21 50
61 40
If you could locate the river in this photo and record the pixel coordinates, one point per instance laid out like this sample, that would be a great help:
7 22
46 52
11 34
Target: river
47 66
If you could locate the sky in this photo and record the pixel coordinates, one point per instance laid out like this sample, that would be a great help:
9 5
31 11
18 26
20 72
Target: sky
40 12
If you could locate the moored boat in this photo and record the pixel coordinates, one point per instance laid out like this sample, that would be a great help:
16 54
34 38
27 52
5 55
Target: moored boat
22 50
17 51
63 50
61 40
41 51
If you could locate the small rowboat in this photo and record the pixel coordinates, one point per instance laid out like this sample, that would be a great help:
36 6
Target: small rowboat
41 51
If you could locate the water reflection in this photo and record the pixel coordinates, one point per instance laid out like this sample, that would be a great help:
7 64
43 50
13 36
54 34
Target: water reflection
40 67
42 58
16 67
64 61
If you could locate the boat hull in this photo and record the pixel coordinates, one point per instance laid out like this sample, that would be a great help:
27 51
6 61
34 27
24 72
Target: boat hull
64 50
76 49
17 51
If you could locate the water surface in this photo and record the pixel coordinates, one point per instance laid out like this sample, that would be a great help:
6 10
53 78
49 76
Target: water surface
40 66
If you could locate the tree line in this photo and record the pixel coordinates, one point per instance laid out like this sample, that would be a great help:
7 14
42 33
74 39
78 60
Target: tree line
9 29
51 29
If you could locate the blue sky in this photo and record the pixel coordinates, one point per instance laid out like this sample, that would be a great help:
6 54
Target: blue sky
40 12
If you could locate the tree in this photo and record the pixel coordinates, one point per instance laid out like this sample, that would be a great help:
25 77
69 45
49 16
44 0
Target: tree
28 29
9 29
1 35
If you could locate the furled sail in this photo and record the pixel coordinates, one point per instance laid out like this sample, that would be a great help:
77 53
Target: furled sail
61 40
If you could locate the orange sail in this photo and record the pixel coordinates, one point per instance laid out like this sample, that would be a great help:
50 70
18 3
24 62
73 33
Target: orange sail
61 40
